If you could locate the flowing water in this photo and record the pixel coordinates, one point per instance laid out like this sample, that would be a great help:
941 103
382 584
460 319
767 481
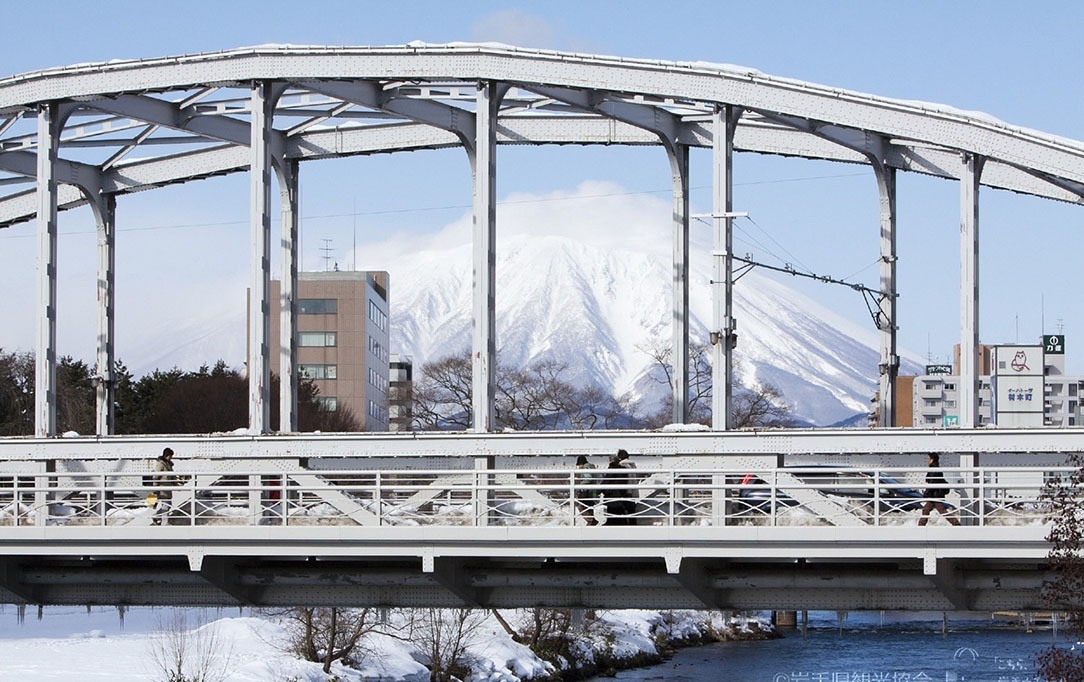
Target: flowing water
865 650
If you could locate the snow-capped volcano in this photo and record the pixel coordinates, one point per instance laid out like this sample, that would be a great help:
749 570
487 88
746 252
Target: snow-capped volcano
598 304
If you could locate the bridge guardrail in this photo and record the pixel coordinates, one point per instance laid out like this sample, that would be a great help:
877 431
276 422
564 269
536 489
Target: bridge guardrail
787 496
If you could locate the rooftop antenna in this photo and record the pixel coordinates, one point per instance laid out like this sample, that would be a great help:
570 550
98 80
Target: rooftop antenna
1017 318
354 257
929 349
1061 326
326 250
1042 307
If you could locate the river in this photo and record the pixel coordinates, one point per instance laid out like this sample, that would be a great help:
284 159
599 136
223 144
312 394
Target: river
865 650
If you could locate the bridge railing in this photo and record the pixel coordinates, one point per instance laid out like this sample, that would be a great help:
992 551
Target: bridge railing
787 496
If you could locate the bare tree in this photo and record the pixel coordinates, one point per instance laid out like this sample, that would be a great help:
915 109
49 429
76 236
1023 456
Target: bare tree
535 398
326 635
183 654
699 380
443 637
760 406
442 395
1066 560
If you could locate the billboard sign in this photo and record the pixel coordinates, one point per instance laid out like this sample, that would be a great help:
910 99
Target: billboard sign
1053 344
1018 361
1019 394
938 369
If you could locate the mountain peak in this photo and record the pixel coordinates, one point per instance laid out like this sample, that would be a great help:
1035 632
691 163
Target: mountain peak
598 309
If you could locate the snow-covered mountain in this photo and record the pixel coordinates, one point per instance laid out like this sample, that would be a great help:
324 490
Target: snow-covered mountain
598 308
583 276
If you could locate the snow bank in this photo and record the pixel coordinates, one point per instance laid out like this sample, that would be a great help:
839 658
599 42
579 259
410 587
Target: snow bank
101 646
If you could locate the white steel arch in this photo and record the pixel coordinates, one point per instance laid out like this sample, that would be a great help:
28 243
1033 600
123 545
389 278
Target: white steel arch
192 117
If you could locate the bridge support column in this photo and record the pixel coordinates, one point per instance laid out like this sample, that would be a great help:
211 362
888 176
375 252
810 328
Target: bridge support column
724 123
886 315
50 121
679 166
483 500
969 290
105 210
259 308
484 355
288 372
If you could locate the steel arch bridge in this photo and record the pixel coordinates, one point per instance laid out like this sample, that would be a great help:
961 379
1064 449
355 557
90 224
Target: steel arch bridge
110 129
88 134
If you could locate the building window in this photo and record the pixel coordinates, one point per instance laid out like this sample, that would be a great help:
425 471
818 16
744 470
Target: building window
931 419
378 350
317 339
378 412
950 387
318 371
377 381
932 385
378 317
931 402
327 403
950 403
318 306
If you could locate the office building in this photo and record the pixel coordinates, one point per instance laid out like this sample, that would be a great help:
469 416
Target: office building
343 342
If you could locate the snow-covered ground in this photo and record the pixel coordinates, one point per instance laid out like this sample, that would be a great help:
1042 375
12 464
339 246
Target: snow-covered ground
97 645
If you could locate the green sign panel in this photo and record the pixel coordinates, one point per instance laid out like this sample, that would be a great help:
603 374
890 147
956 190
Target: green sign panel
950 420
1053 344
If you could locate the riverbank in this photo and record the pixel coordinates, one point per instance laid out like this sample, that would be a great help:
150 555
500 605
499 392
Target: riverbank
97 644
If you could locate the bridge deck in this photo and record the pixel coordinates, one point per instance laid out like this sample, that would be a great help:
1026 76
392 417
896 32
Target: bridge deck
803 537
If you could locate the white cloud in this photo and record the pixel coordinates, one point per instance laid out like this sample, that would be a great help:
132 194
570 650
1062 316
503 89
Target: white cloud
515 27
596 212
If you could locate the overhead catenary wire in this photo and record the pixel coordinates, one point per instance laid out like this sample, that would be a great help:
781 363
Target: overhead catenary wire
449 207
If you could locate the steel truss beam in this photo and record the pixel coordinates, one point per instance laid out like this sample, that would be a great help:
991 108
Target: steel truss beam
186 118
320 144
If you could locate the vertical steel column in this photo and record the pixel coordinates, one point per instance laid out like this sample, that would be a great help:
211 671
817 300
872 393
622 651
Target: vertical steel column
969 290
679 167
288 373
484 365
259 309
724 123
49 124
886 317
105 212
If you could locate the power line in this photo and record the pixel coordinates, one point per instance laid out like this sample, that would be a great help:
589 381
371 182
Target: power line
450 207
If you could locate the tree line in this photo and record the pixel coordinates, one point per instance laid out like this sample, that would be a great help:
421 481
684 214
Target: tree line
208 400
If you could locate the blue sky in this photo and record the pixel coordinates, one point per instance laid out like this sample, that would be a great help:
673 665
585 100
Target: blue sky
1021 66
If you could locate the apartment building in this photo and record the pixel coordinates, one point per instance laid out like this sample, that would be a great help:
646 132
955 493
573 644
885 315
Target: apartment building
343 341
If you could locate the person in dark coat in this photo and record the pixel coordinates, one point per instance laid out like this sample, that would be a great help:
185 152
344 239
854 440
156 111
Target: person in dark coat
586 492
936 489
620 505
